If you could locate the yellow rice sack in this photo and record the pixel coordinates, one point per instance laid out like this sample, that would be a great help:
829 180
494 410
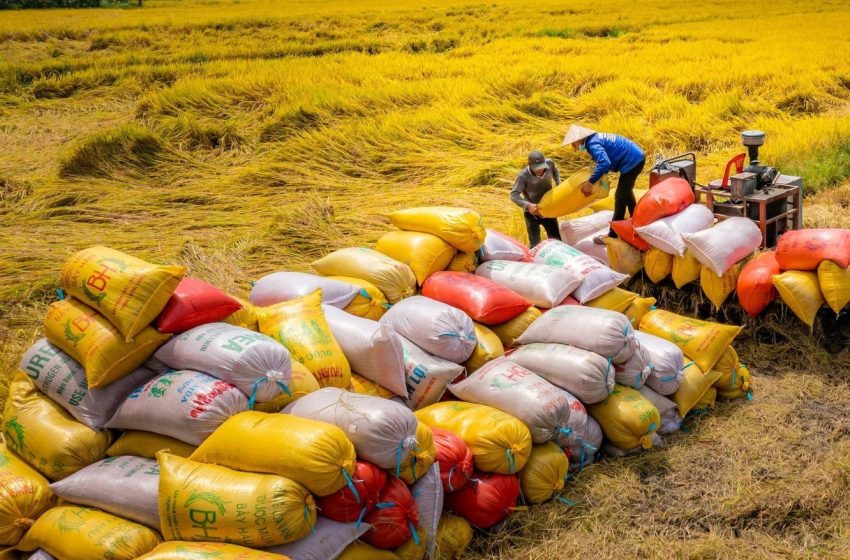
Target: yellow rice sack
424 253
316 454
421 457
94 342
622 257
182 550
734 381
718 288
200 502
544 474
359 550
128 291
567 197
638 308
607 203
499 442
460 227
414 549
77 533
464 262
245 317
701 341
707 401
370 303
303 383
616 299
657 265
395 279
834 283
692 388
513 329
45 435
300 325
628 419
488 348
147 444
801 292
24 496
686 269
363 386
454 534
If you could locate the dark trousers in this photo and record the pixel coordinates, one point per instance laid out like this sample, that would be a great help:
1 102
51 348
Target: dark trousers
624 196
532 225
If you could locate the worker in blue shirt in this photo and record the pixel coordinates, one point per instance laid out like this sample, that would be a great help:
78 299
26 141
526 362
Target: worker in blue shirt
610 153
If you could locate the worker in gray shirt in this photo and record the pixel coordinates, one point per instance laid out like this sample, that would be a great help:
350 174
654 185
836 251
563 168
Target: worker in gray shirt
533 182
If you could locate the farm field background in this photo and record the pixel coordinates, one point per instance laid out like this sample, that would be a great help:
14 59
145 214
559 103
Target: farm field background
251 136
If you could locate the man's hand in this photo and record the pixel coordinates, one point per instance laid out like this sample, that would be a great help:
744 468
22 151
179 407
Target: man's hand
587 188
533 210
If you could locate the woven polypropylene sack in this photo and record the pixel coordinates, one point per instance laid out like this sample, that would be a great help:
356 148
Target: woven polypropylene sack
801 292
667 409
424 253
734 381
484 300
246 317
373 349
755 283
363 386
396 517
195 302
622 257
511 330
625 230
454 459
667 198
542 285
414 549
634 371
729 242
588 442
45 435
487 500
72 532
667 361
302 383
194 504
509 387
429 496
24 496
286 286
718 288
464 262
487 348
183 550
686 269
607 204
127 291
147 444
369 303
544 474
183 404
590 248
657 265
612 451
499 442
666 234
395 279
616 299
359 550
96 344
587 375
596 277
300 325
328 540
383 432
573 231
421 457
627 418
437 328
567 197
427 375
603 332
701 341
805 249
352 502
454 534
500 247
460 227
256 364
694 385
315 454
61 378
639 307
123 486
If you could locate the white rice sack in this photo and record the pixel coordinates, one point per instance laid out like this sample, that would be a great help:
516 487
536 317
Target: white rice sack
383 431
597 278
499 247
588 376
373 349
544 286
607 333
610 450
285 286
666 233
186 405
634 371
327 540
437 328
591 249
726 244
669 410
668 363
257 364
62 379
125 486
428 494
573 231
40 555
588 442
427 375
509 387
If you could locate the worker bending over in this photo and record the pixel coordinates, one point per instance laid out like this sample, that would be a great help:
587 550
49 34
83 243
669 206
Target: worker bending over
531 184
610 153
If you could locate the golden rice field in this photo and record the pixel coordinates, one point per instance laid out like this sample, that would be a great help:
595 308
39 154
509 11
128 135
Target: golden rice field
242 137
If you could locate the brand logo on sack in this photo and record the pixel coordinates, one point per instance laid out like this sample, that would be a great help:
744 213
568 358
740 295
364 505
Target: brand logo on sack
204 509
99 278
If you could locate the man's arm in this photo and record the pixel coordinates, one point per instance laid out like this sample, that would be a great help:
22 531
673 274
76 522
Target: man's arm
555 173
517 191
603 164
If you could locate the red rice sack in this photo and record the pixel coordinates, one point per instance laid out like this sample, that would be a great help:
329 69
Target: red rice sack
755 283
481 298
487 500
454 458
395 519
668 197
805 249
353 502
195 302
625 230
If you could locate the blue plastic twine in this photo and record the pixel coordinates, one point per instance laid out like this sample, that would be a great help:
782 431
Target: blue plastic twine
511 461
350 484
307 518
60 293
398 458
413 532
361 516
253 398
732 384
565 501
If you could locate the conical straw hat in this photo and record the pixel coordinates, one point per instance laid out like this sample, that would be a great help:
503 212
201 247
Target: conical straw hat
576 133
